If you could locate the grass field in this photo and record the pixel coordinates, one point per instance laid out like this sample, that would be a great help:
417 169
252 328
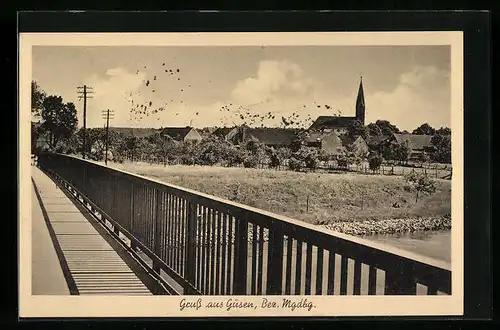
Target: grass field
317 198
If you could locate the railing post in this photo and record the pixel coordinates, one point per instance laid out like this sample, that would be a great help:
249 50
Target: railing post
190 261
240 256
275 262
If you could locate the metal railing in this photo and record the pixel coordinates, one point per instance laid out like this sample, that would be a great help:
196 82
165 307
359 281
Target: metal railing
212 246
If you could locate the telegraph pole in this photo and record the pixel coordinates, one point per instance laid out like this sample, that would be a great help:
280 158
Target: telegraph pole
83 93
106 115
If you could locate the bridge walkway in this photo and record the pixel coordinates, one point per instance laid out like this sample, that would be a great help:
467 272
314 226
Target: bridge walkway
91 261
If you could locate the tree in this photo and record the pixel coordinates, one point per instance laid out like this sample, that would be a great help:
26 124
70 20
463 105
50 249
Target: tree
402 152
442 145
374 130
424 129
443 131
59 119
397 151
355 128
374 161
37 97
423 158
420 183
386 127
299 141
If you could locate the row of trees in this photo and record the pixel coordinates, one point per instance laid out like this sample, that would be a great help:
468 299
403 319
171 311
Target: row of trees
58 123
58 119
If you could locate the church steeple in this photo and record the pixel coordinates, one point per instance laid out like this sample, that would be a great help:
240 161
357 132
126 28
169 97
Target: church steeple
360 103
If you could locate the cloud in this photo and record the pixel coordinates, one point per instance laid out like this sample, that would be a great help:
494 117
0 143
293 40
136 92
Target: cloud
275 80
422 96
112 91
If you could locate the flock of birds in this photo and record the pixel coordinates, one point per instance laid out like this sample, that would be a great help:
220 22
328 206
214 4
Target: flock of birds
232 114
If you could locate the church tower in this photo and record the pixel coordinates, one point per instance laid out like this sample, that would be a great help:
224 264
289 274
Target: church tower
360 104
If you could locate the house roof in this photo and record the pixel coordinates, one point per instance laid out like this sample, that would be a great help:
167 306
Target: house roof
331 122
136 131
176 133
415 141
375 140
317 136
273 136
222 131
349 140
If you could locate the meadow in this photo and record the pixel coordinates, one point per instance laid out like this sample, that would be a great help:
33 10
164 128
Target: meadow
348 202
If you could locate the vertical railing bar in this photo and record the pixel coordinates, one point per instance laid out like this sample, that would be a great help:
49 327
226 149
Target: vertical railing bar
198 246
298 268
218 258
184 235
308 269
203 262
288 273
212 251
223 265
357 278
169 226
319 272
230 255
331 272
179 235
261 260
253 286
343 275
372 280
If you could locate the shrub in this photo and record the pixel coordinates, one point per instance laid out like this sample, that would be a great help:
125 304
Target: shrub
294 164
420 183
374 161
251 162
342 162
311 161
275 160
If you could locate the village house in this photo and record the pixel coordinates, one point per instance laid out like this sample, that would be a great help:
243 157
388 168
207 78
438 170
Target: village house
271 137
418 144
330 143
377 143
356 145
182 133
225 133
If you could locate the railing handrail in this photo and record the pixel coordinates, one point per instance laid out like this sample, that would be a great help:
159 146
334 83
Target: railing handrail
383 248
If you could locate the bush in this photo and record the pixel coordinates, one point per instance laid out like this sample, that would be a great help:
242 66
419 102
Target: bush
251 162
342 162
275 160
294 164
311 161
374 161
420 184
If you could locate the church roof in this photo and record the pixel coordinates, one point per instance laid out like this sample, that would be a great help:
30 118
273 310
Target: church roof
331 122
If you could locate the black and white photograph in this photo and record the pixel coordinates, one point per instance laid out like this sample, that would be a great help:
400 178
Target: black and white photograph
242 174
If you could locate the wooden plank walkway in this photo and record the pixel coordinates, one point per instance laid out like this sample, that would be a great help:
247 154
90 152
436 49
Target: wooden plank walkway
90 263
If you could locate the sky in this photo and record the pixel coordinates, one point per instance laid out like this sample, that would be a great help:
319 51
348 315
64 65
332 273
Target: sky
226 86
